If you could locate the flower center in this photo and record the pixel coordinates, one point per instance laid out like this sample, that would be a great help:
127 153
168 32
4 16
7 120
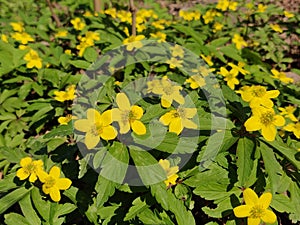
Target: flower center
97 129
267 118
258 92
257 211
168 89
30 168
131 116
49 182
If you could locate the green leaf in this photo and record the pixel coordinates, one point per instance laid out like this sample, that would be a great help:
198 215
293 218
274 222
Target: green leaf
282 203
223 209
80 64
288 152
43 207
295 199
220 41
244 160
138 207
104 188
90 54
28 210
15 219
272 166
12 198
115 163
147 166
231 52
148 217
61 131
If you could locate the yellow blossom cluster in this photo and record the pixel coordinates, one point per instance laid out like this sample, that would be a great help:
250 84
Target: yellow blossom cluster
52 183
225 5
87 41
69 94
189 15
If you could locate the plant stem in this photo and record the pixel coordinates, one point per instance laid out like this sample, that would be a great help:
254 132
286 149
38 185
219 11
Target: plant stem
55 17
132 9
97 6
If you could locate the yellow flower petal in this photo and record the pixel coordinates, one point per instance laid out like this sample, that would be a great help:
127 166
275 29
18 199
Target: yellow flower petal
167 117
22 174
82 125
45 189
172 179
269 132
189 124
176 126
265 200
250 197
25 161
242 211
272 94
137 111
253 221
55 194
116 114
42 176
269 217
32 177
190 112
138 127
106 117
165 164
63 183
122 101
109 133
278 120
166 102
55 172
91 140
93 115
124 127
253 124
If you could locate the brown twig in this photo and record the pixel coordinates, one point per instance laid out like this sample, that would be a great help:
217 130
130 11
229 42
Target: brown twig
132 9
97 6
55 17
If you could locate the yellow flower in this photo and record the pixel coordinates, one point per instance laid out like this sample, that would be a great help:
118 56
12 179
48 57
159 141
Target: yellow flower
217 26
61 33
52 183
96 126
207 59
77 23
266 120
158 24
203 71
178 119
24 47
33 59
92 36
258 95
276 28
174 62
293 127
4 38
288 112
288 14
64 120
128 116
69 94
189 16
133 42
68 51
88 14
222 5
233 6
210 15
196 81
112 12
261 8
230 76
177 50
160 36
170 172
124 16
239 41
29 169
256 209
239 67
23 37
17 26
84 43
281 76
167 90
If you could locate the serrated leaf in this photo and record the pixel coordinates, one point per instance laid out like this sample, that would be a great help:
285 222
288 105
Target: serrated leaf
138 207
15 219
282 203
29 211
62 131
80 64
272 166
104 188
43 207
231 52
